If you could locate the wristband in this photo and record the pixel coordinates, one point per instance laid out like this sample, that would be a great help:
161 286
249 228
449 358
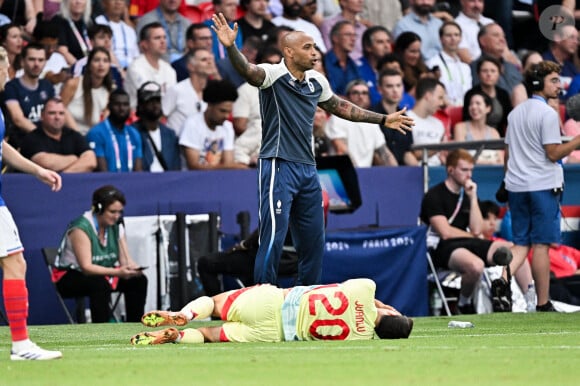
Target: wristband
384 121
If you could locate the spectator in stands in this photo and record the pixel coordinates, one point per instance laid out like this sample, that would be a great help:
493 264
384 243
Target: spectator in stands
54 146
118 146
340 68
349 10
471 19
376 42
11 40
246 113
476 128
451 210
421 21
150 65
198 35
207 138
227 71
74 20
493 43
455 75
394 62
255 22
229 9
25 96
315 11
488 71
291 18
319 61
173 23
86 96
56 69
530 58
428 129
21 12
101 35
160 144
563 49
276 36
363 142
94 259
391 88
125 45
572 125
408 47
385 13
185 98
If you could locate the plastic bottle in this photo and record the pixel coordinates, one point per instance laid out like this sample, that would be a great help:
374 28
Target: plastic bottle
531 298
458 324
436 303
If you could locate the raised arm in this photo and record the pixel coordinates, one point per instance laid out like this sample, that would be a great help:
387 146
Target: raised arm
347 110
227 36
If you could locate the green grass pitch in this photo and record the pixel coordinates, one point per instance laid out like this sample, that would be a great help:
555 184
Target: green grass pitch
502 349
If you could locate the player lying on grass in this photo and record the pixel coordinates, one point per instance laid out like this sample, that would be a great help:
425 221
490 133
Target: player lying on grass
264 313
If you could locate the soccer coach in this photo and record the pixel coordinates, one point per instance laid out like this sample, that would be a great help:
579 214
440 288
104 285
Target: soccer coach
534 177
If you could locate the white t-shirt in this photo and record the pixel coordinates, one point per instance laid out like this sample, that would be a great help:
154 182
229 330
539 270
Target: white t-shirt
247 145
469 31
140 71
181 101
124 40
302 25
210 143
455 76
362 139
427 130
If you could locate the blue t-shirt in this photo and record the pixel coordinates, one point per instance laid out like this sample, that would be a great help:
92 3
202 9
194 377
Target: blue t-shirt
288 107
368 74
31 100
115 145
337 76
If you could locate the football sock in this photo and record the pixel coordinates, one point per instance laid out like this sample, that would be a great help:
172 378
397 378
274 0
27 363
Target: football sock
463 300
190 335
16 306
200 308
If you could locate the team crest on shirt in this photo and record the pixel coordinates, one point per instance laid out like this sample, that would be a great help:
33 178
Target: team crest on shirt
278 207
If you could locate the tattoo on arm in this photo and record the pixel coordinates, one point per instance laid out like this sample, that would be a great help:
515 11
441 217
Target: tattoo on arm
347 110
252 73
386 156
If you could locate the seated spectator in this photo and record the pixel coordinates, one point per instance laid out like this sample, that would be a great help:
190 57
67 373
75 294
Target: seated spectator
101 35
94 259
391 89
86 96
11 40
56 69
166 15
225 67
185 98
73 21
322 145
454 74
150 65
229 8
530 58
160 143
488 72
125 46
291 18
385 13
408 47
340 68
349 10
393 62
22 12
451 210
207 138
198 35
54 146
255 21
118 146
476 128
563 49
572 125
363 142
471 19
428 129
376 42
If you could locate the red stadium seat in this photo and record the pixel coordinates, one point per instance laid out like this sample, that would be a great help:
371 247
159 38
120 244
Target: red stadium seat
193 13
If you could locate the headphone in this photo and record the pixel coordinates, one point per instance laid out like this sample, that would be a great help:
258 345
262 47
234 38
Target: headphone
104 196
535 81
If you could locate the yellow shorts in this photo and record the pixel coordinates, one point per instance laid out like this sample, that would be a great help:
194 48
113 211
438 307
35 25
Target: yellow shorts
253 314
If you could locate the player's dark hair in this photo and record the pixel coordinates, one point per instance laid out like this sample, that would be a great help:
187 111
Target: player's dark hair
394 327
218 91
190 32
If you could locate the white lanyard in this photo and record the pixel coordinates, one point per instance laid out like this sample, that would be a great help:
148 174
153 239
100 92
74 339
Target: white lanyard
83 40
116 148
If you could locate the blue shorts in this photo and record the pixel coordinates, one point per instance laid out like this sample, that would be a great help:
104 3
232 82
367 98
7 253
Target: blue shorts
535 217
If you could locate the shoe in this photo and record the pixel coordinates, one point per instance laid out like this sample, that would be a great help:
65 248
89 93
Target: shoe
169 335
466 309
548 307
502 256
163 318
501 295
35 353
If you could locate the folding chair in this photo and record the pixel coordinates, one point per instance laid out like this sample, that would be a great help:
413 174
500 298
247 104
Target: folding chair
50 254
434 276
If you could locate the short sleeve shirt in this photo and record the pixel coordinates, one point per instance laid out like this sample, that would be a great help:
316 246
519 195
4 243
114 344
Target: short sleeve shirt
71 142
